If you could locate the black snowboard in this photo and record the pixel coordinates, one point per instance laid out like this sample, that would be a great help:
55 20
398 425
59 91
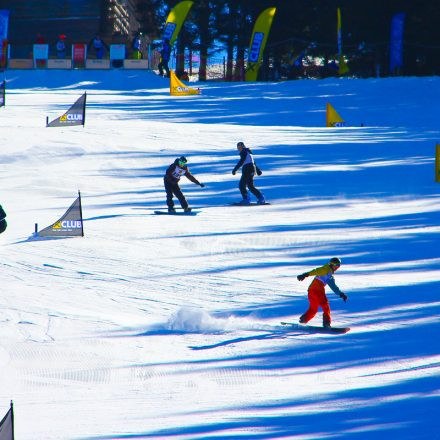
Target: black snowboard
316 329
250 204
176 213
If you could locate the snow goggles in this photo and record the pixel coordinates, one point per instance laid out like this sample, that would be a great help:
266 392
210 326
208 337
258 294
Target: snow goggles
182 163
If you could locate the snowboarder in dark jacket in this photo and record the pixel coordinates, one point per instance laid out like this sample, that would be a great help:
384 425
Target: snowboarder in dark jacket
248 170
316 292
171 179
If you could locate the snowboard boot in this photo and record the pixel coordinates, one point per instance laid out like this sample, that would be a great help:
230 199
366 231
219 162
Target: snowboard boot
246 201
187 209
171 210
302 319
326 323
261 200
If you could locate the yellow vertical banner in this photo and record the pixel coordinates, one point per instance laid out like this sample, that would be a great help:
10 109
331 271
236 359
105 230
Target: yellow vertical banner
437 163
259 37
175 20
343 68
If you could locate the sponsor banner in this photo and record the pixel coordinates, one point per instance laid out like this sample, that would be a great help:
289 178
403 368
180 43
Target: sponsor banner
396 43
41 51
79 54
4 24
135 64
258 41
178 88
59 64
69 225
175 20
21 63
74 116
40 54
7 425
98 64
117 52
255 48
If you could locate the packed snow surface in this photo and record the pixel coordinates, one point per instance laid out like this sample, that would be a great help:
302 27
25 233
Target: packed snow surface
168 326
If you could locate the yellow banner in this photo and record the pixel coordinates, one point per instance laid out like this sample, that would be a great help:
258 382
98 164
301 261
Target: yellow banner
343 68
332 117
175 20
258 42
437 163
177 88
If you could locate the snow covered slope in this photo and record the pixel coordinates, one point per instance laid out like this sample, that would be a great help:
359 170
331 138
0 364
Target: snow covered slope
169 327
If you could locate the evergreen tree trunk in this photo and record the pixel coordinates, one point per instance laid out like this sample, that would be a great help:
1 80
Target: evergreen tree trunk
180 56
239 64
204 13
232 32
230 59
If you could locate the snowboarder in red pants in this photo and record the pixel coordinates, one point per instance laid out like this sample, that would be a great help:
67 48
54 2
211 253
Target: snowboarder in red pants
316 291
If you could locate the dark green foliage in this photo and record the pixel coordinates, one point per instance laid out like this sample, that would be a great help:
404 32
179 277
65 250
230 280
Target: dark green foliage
311 26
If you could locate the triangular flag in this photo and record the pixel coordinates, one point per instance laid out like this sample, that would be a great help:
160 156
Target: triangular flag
177 88
69 225
7 425
76 115
332 117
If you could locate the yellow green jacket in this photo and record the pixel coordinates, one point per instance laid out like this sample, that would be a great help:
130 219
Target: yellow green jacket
325 275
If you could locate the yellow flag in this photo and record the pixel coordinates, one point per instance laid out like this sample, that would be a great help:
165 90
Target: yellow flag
437 163
258 42
178 88
175 20
332 117
343 68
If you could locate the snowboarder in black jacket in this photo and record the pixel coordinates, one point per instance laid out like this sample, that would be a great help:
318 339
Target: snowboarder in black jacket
248 170
171 181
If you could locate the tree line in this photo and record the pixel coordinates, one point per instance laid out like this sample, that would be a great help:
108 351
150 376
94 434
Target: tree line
307 29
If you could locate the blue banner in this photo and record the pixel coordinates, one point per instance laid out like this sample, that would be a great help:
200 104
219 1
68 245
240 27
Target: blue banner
396 43
4 20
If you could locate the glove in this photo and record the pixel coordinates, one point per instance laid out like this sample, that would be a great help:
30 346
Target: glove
343 296
259 172
202 185
302 277
233 172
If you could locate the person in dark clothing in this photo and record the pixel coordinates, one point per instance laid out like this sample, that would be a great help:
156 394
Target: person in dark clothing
98 46
137 46
3 223
171 179
165 54
61 47
248 170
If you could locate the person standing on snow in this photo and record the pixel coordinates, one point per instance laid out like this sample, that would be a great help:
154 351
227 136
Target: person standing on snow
248 170
316 291
171 181
165 55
